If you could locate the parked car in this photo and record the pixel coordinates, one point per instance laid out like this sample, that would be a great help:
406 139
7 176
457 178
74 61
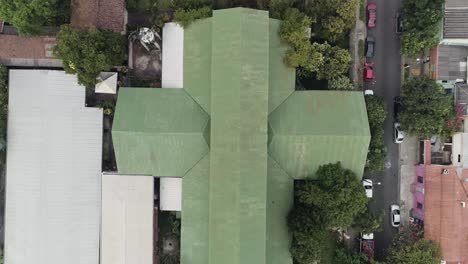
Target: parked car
368 71
399 23
395 215
371 15
368 92
398 135
368 187
397 107
370 47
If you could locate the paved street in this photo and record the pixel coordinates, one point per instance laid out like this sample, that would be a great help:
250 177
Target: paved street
387 65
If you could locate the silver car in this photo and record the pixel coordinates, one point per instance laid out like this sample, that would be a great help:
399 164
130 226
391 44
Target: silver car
395 216
398 135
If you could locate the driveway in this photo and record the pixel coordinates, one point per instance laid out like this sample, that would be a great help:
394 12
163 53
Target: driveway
387 69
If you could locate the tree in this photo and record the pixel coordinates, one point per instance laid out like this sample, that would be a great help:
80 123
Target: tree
334 17
368 222
87 53
328 196
336 62
278 7
340 83
343 255
427 108
294 26
29 17
420 252
376 114
185 17
421 26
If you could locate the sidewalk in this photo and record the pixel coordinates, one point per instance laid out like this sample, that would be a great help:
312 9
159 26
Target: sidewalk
358 34
409 150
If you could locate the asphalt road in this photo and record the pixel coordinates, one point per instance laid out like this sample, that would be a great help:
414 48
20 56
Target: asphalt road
387 82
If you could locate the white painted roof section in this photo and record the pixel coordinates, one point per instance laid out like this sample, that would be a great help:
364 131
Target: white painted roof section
172 56
107 83
170 192
127 219
52 212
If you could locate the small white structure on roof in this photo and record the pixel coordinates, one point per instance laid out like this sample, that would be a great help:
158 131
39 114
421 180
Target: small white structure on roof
107 83
127 219
170 194
172 56
53 178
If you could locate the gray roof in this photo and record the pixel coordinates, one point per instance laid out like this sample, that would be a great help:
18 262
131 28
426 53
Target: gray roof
53 190
456 19
451 64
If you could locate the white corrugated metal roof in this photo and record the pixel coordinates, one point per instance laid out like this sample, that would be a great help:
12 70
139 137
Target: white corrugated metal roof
127 219
52 212
170 192
172 56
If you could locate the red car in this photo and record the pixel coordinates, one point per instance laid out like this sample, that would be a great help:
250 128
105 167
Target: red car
368 71
371 15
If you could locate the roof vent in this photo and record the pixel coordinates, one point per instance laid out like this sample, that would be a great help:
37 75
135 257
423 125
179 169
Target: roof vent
463 204
445 171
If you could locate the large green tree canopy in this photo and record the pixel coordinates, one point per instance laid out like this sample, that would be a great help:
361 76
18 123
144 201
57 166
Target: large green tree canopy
29 17
376 114
421 25
334 17
427 108
87 53
420 252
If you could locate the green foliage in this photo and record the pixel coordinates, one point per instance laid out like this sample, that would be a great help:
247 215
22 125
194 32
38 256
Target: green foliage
87 53
421 25
427 108
185 17
361 48
334 17
376 114
142 5
368 222
108 107
29 17
336 62
278 8
326 61
345 256
322 205
3 108
420 252
340 83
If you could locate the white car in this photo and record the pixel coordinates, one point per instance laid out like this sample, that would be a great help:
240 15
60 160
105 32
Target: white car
395 215
398 135
368 92
368 187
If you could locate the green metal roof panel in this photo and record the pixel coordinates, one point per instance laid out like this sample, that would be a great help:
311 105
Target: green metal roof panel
239 110
321 113
158 132
282 77
312 128
280 199
197 61
195 205
300 156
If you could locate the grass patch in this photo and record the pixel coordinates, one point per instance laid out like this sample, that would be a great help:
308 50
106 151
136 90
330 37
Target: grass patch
361 48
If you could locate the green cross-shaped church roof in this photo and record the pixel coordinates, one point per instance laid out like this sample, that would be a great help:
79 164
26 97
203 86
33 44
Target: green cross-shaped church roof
239 135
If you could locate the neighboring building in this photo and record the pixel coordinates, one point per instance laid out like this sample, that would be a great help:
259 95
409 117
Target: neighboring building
446 219
102 14
238 134
28 51
451 63
53 171
127 219
455 28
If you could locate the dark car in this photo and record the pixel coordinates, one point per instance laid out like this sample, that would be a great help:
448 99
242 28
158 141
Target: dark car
397 106
370 47
371 15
